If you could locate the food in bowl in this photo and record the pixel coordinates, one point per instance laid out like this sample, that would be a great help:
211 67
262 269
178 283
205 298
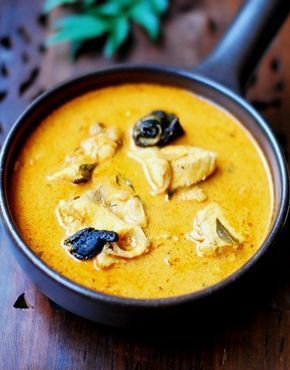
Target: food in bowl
143 191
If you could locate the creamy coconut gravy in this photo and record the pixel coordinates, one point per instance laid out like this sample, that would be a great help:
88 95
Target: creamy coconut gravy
187 213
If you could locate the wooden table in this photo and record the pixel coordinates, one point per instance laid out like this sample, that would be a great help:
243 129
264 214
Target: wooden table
44 337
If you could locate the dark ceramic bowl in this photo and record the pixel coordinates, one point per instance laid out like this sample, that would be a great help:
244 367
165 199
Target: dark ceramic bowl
220 79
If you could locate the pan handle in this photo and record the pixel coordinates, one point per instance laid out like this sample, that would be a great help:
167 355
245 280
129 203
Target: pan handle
235 57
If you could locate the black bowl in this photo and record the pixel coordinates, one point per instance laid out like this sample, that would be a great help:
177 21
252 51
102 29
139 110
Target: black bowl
115 310
230 64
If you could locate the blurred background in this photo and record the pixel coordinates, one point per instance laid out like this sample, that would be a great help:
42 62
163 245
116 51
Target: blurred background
35 333
188 29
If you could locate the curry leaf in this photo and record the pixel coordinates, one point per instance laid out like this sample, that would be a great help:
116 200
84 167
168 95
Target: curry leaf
89 2
118 34
123 181
159 5
86 172
51 4
75 48
144 15
126 3
224 234
81 22
110 8
76 28
112 18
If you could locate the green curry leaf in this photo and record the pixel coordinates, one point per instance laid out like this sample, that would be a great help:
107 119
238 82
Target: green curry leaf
143 14
77 28
108 9
49 5
86 172
89 2
110 18
224 234
119 31
159 6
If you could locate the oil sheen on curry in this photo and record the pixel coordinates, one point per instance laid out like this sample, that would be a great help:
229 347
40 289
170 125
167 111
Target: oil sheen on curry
143 191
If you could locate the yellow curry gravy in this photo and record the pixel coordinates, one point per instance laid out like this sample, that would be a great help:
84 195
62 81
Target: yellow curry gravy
241 184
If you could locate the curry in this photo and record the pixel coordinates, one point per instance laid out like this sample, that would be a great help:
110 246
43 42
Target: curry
143 191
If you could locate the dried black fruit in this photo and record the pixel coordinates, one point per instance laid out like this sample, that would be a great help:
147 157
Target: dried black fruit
89 242
86 172
157 129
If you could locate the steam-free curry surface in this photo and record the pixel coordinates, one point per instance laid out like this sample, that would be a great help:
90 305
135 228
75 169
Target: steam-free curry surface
241 184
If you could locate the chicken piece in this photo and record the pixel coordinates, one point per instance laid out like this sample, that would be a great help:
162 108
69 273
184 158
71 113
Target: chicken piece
131 244
101 145
189 165
131 211
192 193
69 173
92 210
175 166
105 259
157 170
211 232
123 202
84 212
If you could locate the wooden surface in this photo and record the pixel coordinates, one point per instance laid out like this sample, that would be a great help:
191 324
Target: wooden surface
42 336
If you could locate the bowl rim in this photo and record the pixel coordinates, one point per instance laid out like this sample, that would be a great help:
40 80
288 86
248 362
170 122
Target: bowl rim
278 222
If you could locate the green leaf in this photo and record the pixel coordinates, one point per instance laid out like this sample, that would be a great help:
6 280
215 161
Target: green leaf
126 3
77 27
111 17
80 21
74 49
119 31
110 8
159 6
224 234
51 4
144 15
89 2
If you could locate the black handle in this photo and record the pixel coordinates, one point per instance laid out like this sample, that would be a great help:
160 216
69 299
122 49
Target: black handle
238 53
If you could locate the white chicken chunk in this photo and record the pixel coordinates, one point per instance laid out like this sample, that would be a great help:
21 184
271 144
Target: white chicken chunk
123 202
121 212
101 145
130 211
174 166
157 170
189 164
212 233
